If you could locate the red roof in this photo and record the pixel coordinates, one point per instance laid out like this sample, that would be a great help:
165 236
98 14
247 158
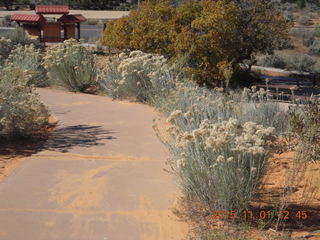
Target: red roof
35 18
76 18
52 9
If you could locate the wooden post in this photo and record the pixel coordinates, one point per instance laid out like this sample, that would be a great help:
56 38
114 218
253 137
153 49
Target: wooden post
64 31
79 35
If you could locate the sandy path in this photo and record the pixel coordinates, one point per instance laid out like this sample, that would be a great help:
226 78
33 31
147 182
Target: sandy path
100 177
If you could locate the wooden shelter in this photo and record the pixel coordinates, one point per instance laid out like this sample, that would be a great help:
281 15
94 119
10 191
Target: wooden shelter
66 27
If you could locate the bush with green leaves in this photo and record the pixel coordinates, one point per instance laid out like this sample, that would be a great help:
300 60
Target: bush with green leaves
22 115
71 65
137 75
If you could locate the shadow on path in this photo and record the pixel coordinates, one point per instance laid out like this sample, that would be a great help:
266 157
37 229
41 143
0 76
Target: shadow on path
63 139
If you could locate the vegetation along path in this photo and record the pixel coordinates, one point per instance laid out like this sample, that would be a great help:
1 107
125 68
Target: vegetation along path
99 176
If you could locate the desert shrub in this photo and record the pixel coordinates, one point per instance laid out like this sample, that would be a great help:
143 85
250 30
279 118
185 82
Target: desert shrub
317 31
286 44
308 41
301 3
316 68
201 103
6 22
22 115
19 36
138 76
29 59
220 163
304 20
302 63
288 16
273 60
305 122
289 7
213 35
315 47
314 6
71 65
301 32
9 41
218 153
266 113
5 49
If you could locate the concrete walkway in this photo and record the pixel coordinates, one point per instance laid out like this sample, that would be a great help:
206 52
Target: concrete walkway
99 177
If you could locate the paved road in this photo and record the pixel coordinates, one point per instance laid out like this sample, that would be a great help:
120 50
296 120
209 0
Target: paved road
99 177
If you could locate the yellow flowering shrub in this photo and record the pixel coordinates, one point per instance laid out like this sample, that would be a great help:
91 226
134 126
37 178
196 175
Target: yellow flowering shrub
208 34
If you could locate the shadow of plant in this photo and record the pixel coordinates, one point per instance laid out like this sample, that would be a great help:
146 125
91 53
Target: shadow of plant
63 139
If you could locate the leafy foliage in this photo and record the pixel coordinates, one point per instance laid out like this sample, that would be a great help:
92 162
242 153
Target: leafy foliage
212 36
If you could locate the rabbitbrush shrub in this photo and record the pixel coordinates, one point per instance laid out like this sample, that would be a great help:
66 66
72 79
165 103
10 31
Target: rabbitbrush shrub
218 152
22 115
137 75
71 65
29 59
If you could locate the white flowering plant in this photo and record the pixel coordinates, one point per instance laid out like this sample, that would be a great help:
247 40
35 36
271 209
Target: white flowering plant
201 103
22 115
219 163
13 38
220 141
28 58
137 75
71 65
